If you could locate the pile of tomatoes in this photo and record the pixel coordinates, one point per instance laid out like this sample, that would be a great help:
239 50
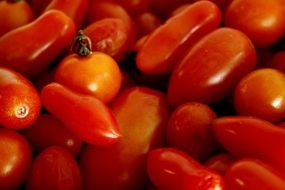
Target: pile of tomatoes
142 94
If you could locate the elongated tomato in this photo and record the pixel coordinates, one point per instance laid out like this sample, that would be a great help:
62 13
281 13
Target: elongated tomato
171 40
246 136
31 48
212 68
85 116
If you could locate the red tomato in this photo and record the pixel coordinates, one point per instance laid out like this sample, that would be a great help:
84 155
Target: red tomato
220 162
20 103
142 114
189 129
111 36
245 136
55 168
146 23
268 105
15 159
170 169
249 174
212 68
14 14
164 8
31 48
96 74
85 116
165 46
261 20
75 9
48 131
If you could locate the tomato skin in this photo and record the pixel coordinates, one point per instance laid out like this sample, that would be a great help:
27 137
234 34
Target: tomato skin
142 114
170 168
262 21
220 162
14 15
75 9
146 23
54 168
194 22
111 36
248 174
189 129
31 48
15 160
268 105
19 103
97 74
48 131
135 7
212 68
85 116
245 136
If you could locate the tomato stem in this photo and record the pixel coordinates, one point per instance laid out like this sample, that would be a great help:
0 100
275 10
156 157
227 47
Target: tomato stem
81 44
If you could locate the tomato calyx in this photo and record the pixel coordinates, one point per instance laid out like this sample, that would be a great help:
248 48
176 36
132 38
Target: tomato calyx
81 44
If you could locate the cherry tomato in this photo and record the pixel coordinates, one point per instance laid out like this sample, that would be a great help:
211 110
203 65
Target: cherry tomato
31 48
14 14
75 9
165 46
48 131
268 105
96 74
212 68
220 162
15 159
54 168
261 20
245 136
142 114
248 174
111 36
170 169
85 116
189 129
20 103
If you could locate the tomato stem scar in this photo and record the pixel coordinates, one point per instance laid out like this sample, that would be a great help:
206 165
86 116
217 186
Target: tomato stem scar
81 44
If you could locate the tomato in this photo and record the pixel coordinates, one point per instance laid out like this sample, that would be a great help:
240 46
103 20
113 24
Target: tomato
20 103
142 114
248 174
75 9
212 68
85 116
146 23
111 36
31 48
14 14
245 136
165 46
54 168
15 160
189 129
135 7
96 74
48 131
268 105
164 8
170 169
261 20
220 162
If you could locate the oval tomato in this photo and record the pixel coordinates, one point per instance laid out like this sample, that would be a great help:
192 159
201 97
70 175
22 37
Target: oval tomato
85 116
15 159
20 103
31 48
54 168
261 20
48 131
220 162
190 129
268 105
212 68
142 115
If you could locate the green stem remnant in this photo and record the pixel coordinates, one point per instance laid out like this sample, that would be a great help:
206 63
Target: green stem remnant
81 44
